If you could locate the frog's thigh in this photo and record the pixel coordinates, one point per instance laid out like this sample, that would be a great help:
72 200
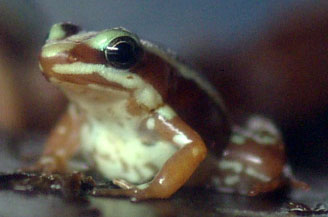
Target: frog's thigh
250 165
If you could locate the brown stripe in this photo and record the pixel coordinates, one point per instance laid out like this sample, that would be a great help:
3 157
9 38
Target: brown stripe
83 53
188 99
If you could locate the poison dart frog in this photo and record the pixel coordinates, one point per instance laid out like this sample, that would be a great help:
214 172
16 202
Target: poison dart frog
143 119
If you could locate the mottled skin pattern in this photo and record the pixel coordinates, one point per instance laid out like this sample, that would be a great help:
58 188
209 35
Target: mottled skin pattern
145 125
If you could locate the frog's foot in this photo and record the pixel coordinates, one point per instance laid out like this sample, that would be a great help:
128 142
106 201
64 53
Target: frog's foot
134 192
123 184
260 188
276 184
299 184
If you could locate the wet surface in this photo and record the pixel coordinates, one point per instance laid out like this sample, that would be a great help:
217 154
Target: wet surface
20 151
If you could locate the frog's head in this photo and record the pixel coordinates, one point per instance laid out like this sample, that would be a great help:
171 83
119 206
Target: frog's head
111 59
116 50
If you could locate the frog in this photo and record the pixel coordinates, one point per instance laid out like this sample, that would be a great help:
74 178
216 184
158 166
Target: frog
142 118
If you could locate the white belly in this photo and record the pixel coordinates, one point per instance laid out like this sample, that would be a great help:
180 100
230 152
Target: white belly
117 151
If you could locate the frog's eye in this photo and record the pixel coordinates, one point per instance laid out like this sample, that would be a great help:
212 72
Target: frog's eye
123 52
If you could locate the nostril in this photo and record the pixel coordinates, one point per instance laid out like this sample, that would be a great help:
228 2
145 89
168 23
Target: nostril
60 31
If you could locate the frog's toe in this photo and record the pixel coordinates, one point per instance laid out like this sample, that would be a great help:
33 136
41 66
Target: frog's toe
261 188
123 184
134 194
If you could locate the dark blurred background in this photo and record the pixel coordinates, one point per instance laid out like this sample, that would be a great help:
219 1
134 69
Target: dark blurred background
265 57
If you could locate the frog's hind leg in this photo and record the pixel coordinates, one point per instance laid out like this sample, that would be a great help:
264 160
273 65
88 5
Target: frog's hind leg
254 161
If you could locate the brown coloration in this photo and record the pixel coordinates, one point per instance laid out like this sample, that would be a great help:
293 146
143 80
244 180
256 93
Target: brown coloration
85 54
94 78
177 169
80 53
271 158
61 145
265 160
293 182
180 93
201 113
259 188
199 118
156 72
268 160
188 99
134 108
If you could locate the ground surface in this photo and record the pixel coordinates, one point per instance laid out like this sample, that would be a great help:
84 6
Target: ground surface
187 202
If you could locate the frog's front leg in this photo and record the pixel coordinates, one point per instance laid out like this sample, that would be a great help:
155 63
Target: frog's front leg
61 144
176 170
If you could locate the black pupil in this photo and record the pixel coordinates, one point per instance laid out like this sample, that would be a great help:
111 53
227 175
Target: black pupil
123 53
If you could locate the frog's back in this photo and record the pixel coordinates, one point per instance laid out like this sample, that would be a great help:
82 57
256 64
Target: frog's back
189 94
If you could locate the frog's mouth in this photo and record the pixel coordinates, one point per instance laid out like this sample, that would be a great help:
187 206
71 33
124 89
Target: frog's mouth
91 79
49 71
